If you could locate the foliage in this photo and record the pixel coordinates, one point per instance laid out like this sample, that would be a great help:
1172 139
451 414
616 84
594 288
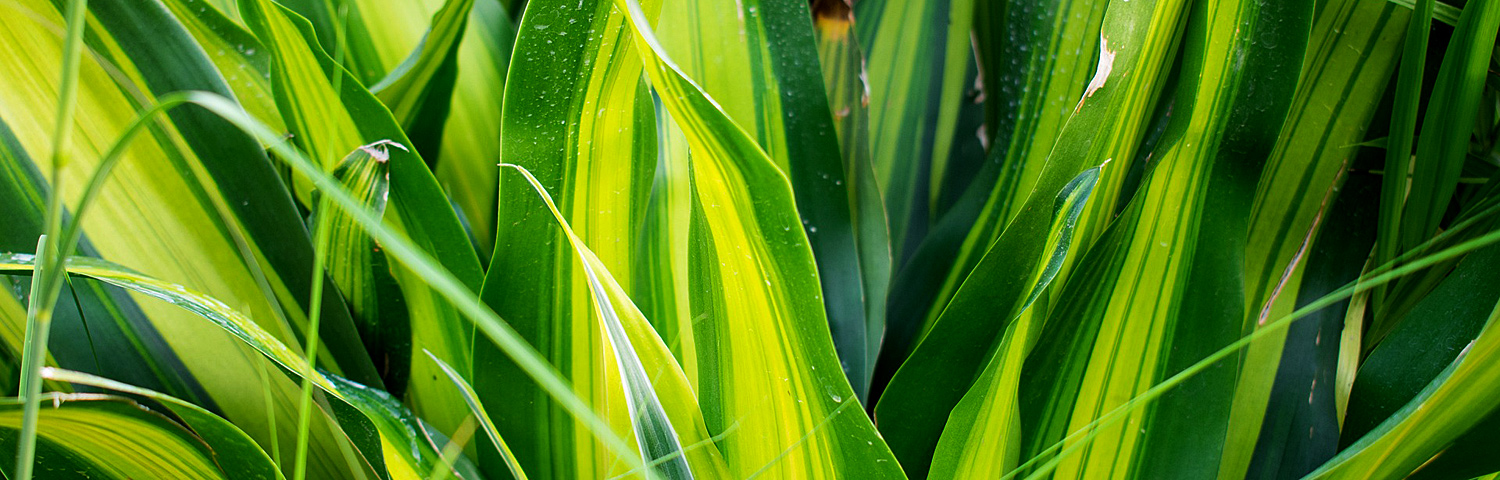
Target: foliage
701 239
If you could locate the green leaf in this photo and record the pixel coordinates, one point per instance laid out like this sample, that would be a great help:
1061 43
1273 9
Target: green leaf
1105 126
1446 128
760 60
654 402
233 450
1423 344
126 338
1302 180
848 98
1027 103
476 408
1163 288
661 274
770 373
328 123
398 443
471 140
196 196
1403 131
419 90
916 75
1461 395
86 435
1303 414
359 268
1440 154
981 438
578 116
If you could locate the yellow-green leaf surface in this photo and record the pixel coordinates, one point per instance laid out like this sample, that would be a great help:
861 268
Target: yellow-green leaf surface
328 124
87 435
769 380
417 91
915 69
660 406
1105 127
359 268
1162 289
579 118
1467 390
661 272
1305 172
982 438
759 60
485 421
389 438
132 345
1036 58
233 451
195 196
381 38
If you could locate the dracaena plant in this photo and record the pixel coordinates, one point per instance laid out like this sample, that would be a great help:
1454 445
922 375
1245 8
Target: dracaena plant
667 239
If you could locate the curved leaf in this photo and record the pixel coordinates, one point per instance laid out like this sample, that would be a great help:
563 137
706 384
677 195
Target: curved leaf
400 441
759 60
1136 36
328 123
577 116
772 375
87 435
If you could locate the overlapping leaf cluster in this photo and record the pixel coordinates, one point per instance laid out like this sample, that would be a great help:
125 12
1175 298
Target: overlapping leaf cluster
761 238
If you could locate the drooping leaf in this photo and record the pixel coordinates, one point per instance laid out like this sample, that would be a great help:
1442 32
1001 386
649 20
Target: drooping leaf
398 439
85 435
232 450
359 269
329 123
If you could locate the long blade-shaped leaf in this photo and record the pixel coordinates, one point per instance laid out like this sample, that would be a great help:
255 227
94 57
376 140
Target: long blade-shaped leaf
329 123
232 449
578 116
1036 58
916 73
477 408
359 269
772 374
102 436
759 59
982 437
1296 210
395 426
659 442
1105 126
1466 391
1162 289
418 90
